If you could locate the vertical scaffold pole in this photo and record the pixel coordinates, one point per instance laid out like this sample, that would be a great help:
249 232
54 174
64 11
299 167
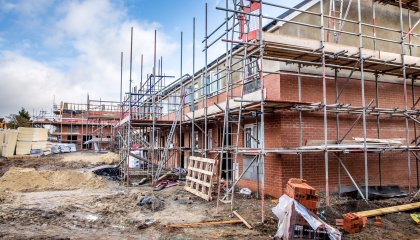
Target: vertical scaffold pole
262 151
152 144
407 133
180 119
362 82
324 100
129 112
193 90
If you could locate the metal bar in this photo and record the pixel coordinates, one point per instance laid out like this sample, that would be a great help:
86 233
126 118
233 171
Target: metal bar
346 82
300 122
362 76
355 122
262 157
351 178
242 174
378 128
193 91
324 100
129 114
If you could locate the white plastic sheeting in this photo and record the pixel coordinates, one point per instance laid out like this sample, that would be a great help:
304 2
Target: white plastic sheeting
287 207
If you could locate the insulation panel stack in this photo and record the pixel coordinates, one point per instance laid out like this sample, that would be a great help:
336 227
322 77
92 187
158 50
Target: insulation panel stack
2 132
24 144
32 139
9 145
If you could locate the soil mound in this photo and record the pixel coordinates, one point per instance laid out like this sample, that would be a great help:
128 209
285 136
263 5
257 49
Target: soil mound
96 158
31 180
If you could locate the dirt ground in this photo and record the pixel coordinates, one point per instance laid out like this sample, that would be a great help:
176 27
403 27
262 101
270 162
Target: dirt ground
108 210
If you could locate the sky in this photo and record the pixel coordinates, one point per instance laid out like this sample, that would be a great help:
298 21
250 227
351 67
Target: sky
53 50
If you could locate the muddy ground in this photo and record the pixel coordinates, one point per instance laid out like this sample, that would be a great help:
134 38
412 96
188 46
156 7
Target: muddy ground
109 211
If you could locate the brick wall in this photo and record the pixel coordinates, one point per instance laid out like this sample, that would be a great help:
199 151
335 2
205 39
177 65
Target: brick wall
282 131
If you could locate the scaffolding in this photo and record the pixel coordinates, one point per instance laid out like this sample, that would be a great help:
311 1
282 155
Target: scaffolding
323 54
149 114
83 124
231 92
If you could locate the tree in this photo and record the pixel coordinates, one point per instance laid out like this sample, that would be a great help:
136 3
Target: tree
22 119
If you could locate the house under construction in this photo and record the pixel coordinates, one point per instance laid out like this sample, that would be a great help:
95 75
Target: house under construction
326 91
89 125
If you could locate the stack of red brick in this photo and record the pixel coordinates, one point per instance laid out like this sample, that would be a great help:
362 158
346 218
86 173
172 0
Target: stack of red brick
299 190
353 223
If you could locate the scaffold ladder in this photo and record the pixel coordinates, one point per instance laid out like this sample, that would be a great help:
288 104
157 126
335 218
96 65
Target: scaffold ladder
231 123
164 157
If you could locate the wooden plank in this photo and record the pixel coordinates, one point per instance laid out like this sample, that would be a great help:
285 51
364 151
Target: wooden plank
242 219
204 223
387 210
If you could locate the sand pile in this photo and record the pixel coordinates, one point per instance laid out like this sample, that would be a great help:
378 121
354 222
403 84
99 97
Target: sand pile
96 159
110 158
31 180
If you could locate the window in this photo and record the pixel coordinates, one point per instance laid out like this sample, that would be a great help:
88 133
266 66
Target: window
173 103
252 170
188 95
214 82
196 96
247 141
209 139
252 132
74 129
210 84
252 67
194 140
72 137
205 85
165 107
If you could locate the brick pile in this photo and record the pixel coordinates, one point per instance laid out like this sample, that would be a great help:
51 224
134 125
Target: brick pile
299 190
353 223
378 221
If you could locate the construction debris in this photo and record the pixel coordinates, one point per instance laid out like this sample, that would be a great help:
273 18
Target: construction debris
378 222
415 218
242 219
151 203
165 184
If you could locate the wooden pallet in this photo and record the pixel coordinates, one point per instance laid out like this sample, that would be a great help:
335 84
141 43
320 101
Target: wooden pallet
23 157
199 180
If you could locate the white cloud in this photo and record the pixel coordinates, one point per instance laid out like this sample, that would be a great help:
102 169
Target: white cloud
95 33
26 83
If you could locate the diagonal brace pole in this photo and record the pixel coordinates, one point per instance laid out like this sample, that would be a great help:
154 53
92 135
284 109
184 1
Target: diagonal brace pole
355 122
351 178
